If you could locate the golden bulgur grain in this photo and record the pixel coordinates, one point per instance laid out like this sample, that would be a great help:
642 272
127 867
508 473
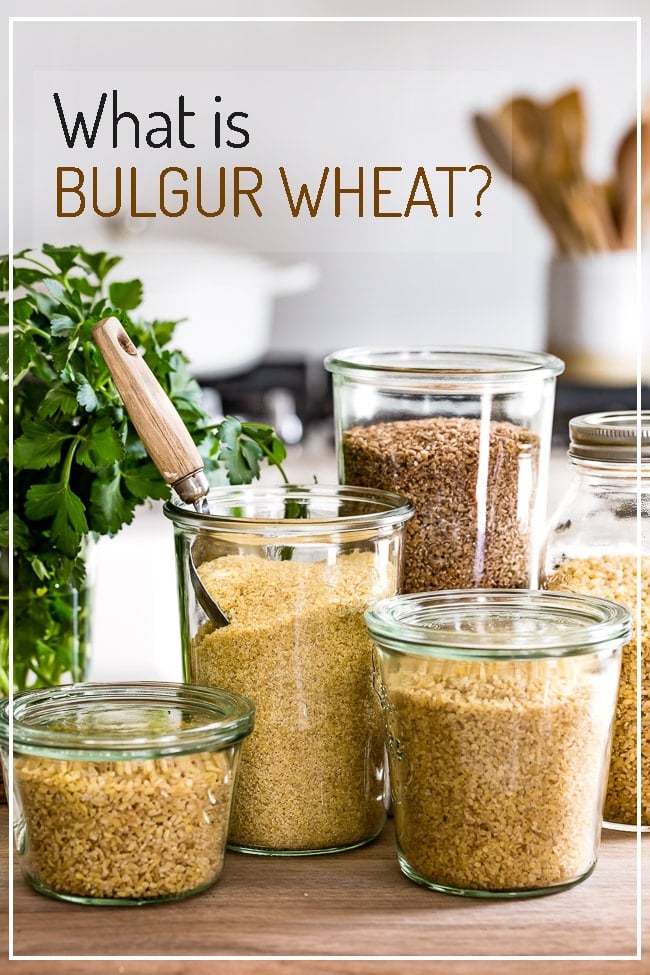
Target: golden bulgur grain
471 525
495 773
312 772
615 577
133 830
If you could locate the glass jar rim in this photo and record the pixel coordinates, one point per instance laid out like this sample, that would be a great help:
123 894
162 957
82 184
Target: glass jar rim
43 719
501 624
385 509
444 366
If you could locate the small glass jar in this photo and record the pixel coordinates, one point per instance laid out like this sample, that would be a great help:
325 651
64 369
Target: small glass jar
123 791
464 434
498 708
599 542
294 569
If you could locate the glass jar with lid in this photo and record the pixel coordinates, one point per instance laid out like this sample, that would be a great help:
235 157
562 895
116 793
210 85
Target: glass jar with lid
464 434
599 542
123 791
498 707
294 568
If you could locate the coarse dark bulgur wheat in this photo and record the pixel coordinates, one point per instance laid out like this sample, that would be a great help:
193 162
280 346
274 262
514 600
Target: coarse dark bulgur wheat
470 527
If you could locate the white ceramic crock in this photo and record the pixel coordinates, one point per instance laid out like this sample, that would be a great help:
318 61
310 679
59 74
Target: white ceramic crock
594 321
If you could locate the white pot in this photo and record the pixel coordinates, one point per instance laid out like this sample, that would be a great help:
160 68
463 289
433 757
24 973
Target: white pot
593 318
224 296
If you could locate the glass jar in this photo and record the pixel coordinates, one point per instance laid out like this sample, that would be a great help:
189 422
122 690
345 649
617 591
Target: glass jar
599 542
51 635
464 434
498 708
123 791
294 568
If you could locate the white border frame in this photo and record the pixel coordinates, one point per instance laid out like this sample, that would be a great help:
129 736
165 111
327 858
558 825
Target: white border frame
639 279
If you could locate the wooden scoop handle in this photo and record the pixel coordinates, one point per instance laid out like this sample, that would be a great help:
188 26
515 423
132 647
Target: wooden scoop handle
152 413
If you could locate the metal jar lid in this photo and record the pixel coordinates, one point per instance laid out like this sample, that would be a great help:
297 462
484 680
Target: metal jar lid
612 437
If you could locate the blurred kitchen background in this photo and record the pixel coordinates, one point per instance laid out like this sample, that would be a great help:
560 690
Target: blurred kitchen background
268 298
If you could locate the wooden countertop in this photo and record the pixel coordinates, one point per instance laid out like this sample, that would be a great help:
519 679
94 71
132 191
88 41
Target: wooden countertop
351 904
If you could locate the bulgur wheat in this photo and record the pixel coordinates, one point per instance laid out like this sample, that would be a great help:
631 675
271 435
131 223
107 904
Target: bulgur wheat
472 523
615 577
137 830
494 774
312 772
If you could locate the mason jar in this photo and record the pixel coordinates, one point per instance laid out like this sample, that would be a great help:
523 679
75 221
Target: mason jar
599 542
498 707
122 791
293 569
465 435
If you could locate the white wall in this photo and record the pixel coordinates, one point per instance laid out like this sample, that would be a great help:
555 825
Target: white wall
401 94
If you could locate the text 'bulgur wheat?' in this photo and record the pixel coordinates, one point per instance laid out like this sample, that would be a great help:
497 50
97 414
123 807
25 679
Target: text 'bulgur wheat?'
312 772
473 506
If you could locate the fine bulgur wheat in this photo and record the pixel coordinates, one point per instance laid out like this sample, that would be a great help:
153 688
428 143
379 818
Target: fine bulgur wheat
615 577
473 505
311 774
134 830
494 770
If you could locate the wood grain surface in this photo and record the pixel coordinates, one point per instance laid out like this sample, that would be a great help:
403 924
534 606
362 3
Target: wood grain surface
352 904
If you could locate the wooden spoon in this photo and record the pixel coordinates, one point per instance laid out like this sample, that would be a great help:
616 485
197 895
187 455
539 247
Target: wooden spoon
565 134
163 433
496 134
563 162
626 181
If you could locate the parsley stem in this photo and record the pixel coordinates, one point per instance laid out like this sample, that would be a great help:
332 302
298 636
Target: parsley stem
273 462
51 273
46 679
67 463
36 330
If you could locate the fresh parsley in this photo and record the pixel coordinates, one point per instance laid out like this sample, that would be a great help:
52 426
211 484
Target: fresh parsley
79 467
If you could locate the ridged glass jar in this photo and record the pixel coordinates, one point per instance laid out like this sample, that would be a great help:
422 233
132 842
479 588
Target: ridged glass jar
465 435
294 568
498 707
123 791
599 543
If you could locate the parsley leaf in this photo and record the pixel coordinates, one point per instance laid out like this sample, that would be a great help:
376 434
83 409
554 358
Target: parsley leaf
86 396
100 444
58 400
39 445
109 510
126 294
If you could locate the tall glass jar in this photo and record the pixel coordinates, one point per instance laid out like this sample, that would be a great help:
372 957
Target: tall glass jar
599 542
293 569
499 708
464 434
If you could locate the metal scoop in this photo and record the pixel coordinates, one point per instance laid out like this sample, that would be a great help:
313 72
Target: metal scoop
163 433
209 606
